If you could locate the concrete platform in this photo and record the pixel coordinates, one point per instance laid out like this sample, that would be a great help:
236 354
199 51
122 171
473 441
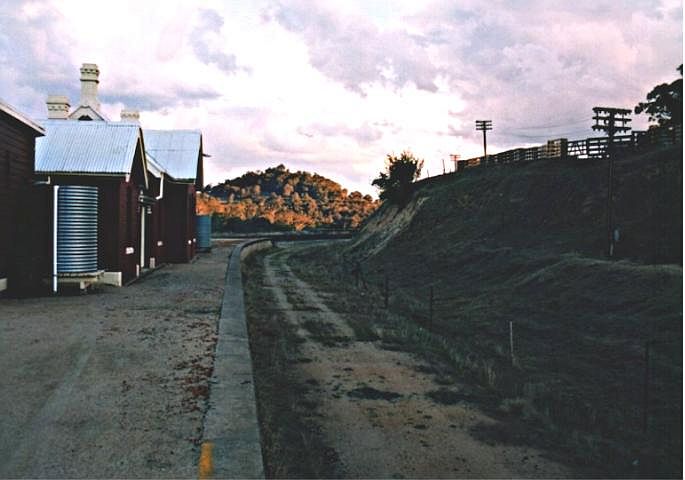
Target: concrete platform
231 445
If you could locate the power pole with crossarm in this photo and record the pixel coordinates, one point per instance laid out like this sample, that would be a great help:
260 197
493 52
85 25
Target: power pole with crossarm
455 158
484 125
611 121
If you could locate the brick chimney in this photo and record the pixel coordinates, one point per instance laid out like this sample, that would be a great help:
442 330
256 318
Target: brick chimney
131 116
58 107
89 86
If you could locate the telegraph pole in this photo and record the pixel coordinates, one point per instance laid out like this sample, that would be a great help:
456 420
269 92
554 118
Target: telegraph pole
611 121
455 158
484 125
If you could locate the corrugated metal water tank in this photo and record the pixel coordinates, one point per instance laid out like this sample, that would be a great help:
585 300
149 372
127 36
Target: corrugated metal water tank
77 229
203 224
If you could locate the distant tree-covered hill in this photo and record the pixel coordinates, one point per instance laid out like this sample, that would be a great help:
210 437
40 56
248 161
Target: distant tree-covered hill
278 199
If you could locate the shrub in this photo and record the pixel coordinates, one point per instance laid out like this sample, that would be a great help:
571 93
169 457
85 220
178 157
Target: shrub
395 183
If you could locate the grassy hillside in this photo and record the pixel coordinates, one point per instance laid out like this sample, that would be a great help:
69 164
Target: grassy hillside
526 244
278 199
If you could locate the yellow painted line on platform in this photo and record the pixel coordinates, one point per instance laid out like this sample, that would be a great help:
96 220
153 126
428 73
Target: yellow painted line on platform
205 467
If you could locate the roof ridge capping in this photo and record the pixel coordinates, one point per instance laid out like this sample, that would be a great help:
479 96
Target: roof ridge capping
87 124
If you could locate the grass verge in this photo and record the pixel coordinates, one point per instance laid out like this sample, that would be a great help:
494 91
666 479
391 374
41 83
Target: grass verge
292 444
577 382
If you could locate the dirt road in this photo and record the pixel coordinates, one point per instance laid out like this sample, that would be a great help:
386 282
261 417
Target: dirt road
381 411
110 384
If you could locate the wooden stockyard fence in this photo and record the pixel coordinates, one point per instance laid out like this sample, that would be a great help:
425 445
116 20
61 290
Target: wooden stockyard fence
589 148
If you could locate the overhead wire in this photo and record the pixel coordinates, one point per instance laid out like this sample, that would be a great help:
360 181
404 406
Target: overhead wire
561 125
528 131
548 134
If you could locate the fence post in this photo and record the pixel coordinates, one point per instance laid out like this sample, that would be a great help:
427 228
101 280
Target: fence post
386 292
430 307
645 406
511 341
610 200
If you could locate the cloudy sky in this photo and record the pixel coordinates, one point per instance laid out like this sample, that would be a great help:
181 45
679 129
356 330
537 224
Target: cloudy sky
334 86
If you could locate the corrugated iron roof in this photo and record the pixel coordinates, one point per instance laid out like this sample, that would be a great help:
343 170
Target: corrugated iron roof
153 167
177 151
9 110
86 147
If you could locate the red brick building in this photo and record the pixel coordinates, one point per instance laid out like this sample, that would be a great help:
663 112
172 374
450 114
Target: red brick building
146 181
111 157
24 222
179 155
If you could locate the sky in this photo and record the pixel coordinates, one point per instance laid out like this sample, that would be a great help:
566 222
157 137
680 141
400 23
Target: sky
333 87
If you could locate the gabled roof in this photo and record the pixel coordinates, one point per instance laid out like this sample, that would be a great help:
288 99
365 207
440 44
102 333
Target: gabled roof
4 107
153 166
96 148
176 151
88 111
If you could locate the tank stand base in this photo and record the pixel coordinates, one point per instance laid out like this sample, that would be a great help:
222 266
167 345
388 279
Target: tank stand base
81 280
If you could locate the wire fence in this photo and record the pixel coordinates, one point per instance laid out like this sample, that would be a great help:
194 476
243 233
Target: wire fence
650 388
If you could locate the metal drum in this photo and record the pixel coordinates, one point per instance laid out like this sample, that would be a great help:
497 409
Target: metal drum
203 227
77 229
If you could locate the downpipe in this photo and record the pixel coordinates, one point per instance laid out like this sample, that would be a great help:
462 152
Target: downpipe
55 200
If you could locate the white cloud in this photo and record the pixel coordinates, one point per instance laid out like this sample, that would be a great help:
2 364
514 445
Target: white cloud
335 86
